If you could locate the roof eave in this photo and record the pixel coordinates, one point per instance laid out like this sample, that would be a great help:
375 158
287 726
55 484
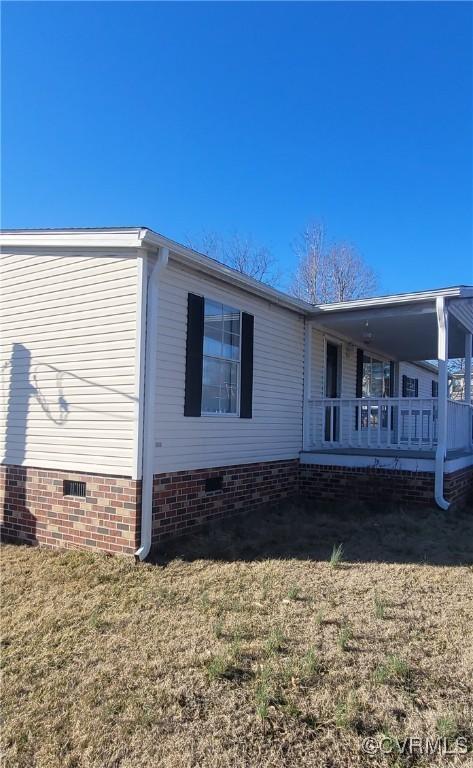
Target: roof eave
205 264
402 298
143 237
127 237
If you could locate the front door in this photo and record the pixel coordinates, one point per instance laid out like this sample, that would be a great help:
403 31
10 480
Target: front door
331 371
332 390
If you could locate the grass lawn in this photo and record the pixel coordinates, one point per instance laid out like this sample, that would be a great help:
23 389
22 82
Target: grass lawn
245 646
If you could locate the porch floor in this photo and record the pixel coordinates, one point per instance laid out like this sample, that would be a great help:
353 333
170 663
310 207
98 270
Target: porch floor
388 452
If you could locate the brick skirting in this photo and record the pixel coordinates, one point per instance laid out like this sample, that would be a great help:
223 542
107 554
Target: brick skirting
458 487
35 510
375 485
181 502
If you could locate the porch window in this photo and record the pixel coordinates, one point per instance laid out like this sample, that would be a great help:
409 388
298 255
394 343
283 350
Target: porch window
376 377
410 386
221 359
377 382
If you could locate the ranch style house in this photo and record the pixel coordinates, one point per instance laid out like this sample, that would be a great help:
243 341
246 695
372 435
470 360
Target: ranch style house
147 389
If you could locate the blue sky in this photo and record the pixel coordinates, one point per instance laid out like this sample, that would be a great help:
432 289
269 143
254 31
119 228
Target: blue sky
253 117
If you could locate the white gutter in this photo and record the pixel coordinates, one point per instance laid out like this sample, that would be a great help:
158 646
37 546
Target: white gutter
149 402
461 291
133 237
306 436
211 266
127 237
442 356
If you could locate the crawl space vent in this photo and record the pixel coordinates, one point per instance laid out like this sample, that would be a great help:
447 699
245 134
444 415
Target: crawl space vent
74 488
214 484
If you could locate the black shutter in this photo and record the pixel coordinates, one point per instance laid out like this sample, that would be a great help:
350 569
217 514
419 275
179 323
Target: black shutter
404 386
194 352
246 385
392 376
435 388
416 387
359 380
359 373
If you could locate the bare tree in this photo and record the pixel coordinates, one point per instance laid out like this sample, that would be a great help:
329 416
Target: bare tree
328 273
349 277
308 280
456 365
240 253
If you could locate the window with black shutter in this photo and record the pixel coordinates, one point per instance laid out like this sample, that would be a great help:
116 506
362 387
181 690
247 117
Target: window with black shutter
219 359
194 359
410 386
359 372
246 393
375 378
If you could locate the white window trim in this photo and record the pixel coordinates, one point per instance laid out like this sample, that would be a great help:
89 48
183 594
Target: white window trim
216 414
414 379
341 351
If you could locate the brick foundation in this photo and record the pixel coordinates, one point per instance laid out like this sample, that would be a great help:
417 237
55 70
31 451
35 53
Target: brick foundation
180 501
35 511
458 487
375 485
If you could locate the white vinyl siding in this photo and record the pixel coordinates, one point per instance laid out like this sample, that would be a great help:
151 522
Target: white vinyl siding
275 430
348 360
418 372
68 383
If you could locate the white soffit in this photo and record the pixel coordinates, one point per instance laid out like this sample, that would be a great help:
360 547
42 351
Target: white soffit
407 332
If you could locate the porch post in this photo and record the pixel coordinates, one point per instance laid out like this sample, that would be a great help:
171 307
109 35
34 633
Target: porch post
442 357
306 421
468 342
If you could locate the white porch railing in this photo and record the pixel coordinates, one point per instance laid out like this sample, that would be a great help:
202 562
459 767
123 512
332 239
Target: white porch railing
388 422
459 425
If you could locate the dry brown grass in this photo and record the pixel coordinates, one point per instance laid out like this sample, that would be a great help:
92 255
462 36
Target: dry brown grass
260 655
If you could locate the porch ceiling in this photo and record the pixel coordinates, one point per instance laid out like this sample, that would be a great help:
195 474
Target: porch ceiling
407 332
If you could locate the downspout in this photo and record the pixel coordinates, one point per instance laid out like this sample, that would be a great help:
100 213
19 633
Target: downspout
149 404
306 414
442 357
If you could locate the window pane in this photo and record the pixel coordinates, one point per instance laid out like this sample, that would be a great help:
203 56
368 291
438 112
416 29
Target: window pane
366 386
384 416
220 386
374 415
231 346
231 319
213 328
211 374
387 380
410 387
213 309
376 379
